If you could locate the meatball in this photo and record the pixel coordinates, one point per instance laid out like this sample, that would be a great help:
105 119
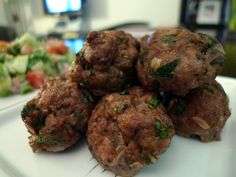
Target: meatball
177 60
106 62
200 114
57 118
128 131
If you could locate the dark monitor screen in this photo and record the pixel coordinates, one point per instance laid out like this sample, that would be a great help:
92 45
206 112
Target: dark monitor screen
62 6
75 44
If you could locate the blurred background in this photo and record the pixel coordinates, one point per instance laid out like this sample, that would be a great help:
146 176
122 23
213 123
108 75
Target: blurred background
73 18
69 21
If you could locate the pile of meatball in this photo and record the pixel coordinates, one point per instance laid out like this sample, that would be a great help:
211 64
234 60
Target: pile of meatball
129 97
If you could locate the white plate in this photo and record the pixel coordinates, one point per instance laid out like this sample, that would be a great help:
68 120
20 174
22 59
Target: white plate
184 158
7 102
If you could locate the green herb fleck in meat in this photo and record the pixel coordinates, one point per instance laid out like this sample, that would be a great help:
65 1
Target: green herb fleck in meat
121 107
79 115
218 61
41 122
92 73
167 69
121 40
202 35
42 140
158 125
212 41
87 97
50 130
153 103
200 57
169 39
125 106
180 107
163 131
208 88
84 83
79 56
130 165
124 92
27 109
213 51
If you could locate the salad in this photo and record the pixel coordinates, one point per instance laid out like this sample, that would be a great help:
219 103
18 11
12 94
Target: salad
26 62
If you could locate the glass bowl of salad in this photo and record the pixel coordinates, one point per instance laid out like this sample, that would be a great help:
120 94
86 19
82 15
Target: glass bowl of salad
27 61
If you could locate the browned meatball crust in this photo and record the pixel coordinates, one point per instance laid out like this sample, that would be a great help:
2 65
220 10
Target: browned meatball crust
58 116
177 60
128 131
202 113
106 62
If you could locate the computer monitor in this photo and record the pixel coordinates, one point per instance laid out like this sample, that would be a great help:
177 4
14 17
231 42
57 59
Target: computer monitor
63 6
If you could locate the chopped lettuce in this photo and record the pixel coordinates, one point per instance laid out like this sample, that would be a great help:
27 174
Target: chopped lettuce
26 88
70 56
2 57
61 66
15 49
35 58
50 68
42 61
5 81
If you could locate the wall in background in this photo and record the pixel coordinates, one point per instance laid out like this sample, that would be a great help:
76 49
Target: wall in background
19 14
159 13
3 17
105 13
37 8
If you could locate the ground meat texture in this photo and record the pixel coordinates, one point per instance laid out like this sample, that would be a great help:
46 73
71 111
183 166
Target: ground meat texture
106 62
177 60
58 117
128 131
202 113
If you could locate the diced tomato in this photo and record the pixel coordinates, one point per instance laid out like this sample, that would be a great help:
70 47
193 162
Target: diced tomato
26 49
3 45
58 49
36 78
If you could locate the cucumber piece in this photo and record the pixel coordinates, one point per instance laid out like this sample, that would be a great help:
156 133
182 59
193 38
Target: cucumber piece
38 66
19 64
